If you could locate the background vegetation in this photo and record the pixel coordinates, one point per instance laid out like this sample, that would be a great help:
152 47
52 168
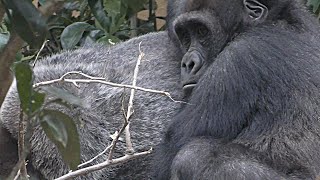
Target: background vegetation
82 21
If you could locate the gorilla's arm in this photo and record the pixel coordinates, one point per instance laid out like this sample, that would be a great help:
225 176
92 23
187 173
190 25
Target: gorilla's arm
159 70
202 158
255 103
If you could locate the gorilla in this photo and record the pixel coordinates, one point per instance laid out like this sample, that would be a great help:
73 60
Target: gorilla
160 69
252 71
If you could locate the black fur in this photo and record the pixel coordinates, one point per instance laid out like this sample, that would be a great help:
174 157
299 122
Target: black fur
255 111
159 70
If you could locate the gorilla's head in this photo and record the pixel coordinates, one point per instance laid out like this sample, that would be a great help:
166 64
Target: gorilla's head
203 28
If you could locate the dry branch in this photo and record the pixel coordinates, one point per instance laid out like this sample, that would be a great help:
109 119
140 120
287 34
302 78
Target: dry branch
102 165
92 79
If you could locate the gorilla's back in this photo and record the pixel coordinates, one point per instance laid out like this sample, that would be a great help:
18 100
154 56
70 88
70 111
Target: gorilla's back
103 114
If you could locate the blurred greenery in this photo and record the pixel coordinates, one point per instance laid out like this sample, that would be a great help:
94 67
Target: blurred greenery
77 23
314 4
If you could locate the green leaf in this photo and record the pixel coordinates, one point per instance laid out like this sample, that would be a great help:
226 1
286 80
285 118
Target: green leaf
27 21
30 100
315 4
72 34
66 96
99 13
116 23
54 127
37 100
62 131
93 36
110 40
23 74
117 11
113 7
135 5
4 26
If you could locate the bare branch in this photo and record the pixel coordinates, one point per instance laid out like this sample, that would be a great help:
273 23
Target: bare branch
115 140
99 80
103 165
130 104
91 160
17 176
36 59
20 171
125 126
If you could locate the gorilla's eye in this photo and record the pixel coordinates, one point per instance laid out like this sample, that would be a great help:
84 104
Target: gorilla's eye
184 37
202 31
186 41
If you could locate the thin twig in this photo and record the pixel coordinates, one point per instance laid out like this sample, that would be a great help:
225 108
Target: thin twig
122 104
21 145
125 126
115 140
36 59
103 165
99 80
16 170
91 160
130 110
17 176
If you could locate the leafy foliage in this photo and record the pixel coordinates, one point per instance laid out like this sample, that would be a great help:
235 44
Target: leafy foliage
61 129
108 20
31 27
30 100
73 33
315 4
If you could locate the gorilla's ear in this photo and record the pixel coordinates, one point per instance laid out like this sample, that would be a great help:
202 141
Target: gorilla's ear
256 11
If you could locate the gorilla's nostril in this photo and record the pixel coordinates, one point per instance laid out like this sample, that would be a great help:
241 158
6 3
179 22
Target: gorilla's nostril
191 65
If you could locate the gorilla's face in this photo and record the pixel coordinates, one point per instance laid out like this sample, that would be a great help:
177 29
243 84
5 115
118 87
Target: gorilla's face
200 41
202 29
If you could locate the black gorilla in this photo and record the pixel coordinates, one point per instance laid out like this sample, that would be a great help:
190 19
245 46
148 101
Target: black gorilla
159 70
255 108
